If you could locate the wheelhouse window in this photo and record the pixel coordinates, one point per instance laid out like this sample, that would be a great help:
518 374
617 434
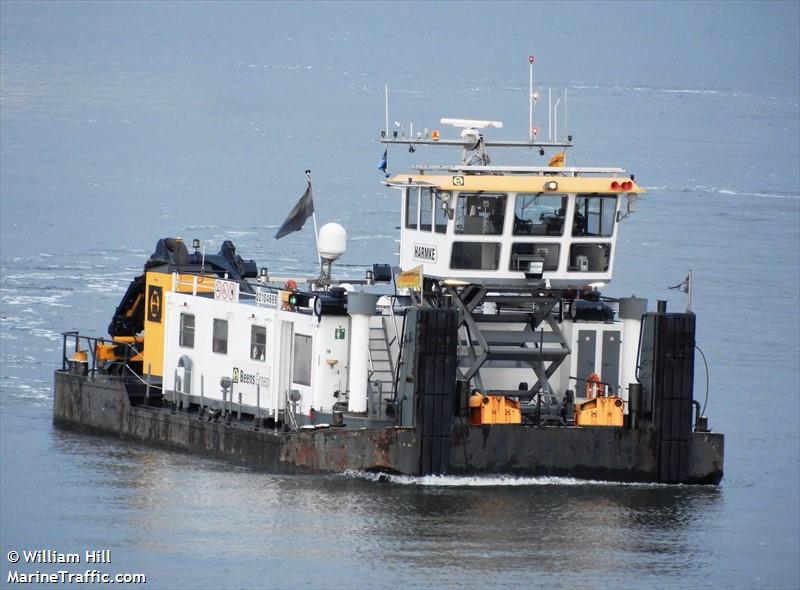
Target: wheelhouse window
426 199
475 256
219 341
258 343
302 360
440 205
539 215
480 214
594 216
523 253
412 208
186 337
589 257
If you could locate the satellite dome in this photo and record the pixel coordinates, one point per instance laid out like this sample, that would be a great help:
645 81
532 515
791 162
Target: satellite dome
332 241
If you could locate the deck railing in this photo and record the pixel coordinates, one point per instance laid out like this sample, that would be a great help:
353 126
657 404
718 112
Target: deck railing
72 361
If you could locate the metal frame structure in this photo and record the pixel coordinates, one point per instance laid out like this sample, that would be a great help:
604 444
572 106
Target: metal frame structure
544 350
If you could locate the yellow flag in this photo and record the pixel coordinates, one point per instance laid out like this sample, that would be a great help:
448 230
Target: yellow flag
557 161
410 279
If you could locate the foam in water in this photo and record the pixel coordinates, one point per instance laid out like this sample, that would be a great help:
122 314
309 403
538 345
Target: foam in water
476 481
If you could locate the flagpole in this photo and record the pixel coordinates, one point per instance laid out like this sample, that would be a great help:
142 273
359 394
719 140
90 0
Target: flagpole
689 304
316 233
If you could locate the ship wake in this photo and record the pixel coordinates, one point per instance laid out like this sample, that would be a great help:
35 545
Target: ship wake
479 481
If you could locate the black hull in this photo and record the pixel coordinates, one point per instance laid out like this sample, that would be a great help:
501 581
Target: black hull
102 405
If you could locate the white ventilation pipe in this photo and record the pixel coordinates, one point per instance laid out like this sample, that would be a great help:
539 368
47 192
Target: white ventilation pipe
360 307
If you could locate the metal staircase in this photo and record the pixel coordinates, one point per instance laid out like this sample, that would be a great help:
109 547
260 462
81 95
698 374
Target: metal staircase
381 365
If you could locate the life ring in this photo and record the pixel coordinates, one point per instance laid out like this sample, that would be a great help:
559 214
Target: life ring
594 388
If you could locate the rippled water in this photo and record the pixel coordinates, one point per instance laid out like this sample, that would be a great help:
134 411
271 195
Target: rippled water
125 123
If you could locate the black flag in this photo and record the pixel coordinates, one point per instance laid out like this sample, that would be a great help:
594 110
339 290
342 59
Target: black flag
298 215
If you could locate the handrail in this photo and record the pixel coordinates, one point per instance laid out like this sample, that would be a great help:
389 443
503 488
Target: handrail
371 364
401 344
91 350
540 170
394 320
388 345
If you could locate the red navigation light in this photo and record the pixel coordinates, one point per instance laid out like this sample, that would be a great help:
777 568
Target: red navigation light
531 59
615 186
535 130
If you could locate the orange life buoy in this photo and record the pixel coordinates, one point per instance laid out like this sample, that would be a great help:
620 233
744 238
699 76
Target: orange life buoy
593 387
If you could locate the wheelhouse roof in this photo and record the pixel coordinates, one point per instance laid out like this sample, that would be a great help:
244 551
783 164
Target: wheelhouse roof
531 182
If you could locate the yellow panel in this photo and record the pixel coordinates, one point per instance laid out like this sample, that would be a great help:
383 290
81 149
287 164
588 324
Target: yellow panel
600 411
521 183
157 286
493 409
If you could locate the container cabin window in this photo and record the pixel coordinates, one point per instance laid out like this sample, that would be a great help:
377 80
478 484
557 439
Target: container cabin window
475 256
412 208
480 214
594 216
440 204
302 360
186 338
539 215
219 342
426 199
258 343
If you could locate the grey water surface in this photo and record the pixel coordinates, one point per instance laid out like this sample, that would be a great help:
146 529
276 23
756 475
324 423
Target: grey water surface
122 123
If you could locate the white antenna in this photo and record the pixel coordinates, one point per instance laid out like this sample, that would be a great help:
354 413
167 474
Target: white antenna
386 91
531 59
565 113
555 122
549 114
